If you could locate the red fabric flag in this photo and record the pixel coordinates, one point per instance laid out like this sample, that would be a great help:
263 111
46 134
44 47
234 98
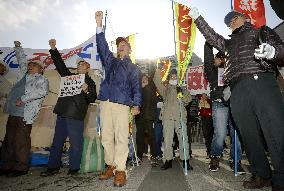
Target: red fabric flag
253 10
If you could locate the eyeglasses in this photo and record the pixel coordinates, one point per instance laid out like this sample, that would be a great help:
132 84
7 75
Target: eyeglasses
234 19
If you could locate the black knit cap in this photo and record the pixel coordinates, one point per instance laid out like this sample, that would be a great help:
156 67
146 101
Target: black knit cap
228 18
220 55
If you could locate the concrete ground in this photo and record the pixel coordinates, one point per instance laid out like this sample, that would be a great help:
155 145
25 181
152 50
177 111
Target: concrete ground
141 178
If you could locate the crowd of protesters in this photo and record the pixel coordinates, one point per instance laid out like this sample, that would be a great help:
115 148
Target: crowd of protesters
247 102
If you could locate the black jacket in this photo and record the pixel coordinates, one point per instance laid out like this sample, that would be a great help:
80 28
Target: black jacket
240 48
149 102
211 73
76 106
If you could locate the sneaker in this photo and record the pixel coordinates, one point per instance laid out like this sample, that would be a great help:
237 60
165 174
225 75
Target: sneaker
240 169
159 158
214 164
154 161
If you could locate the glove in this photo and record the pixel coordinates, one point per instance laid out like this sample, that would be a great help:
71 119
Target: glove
193 13
265 51
179 89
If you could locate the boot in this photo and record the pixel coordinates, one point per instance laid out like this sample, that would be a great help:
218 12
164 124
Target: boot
119 178
256 182
189 167
167 165
109 172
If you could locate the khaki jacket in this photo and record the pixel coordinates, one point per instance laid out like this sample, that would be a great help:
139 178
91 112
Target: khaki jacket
171 107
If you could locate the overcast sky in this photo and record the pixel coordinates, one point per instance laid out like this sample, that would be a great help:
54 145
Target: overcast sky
71 22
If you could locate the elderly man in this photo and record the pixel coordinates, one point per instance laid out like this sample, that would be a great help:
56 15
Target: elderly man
71 112
256 102
120 91
23 104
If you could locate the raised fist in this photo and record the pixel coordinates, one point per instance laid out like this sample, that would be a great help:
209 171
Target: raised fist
17 43
99 16
52 43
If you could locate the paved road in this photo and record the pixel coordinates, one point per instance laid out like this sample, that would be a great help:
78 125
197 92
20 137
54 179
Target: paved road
142 178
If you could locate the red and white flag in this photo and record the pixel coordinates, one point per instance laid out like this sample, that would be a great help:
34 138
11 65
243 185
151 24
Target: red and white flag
253 10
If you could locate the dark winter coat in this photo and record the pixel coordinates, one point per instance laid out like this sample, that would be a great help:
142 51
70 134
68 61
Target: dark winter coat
76 106
122 83
240 48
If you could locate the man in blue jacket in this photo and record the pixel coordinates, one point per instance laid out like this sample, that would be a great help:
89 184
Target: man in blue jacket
120 91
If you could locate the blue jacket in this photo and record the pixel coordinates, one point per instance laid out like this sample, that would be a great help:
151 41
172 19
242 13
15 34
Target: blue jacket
122 83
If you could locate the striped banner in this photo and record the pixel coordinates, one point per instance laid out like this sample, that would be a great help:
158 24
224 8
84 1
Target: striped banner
185 31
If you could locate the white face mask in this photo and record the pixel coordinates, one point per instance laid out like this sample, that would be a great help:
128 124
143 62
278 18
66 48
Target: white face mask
173 82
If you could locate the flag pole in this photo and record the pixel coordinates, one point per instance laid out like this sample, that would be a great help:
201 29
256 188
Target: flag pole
105 22
173 9
180 99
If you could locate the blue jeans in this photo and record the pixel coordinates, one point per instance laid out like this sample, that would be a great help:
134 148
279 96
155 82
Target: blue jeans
221 119
74 130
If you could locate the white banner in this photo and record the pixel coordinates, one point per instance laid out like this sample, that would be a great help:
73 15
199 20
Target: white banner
196 83
87 51
71 85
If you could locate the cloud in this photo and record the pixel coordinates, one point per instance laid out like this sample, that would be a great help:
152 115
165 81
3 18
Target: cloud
79 20
14 14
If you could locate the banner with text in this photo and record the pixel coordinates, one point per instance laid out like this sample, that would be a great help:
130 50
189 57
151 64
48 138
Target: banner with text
185 31
71 85
196 82
252 9
87 51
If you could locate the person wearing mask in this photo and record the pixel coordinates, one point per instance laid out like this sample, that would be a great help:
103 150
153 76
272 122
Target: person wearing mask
171 117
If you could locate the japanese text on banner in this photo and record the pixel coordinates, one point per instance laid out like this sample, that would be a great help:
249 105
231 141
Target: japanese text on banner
252 9
71 85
